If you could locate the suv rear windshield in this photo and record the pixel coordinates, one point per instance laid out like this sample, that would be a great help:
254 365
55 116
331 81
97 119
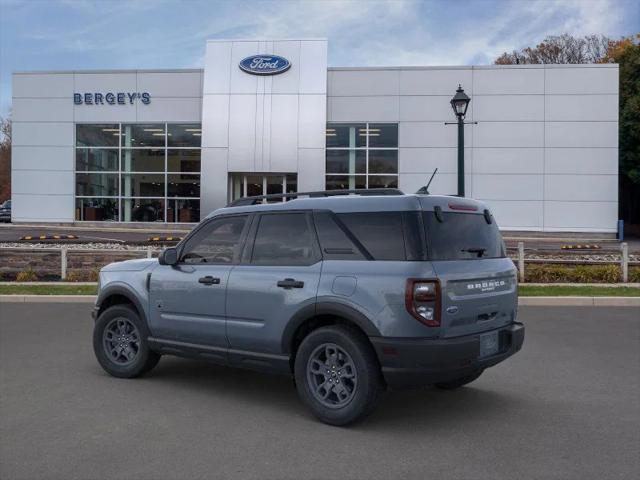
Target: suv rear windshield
462 236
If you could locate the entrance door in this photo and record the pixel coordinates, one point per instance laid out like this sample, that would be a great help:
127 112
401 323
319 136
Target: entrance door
187 301
256 184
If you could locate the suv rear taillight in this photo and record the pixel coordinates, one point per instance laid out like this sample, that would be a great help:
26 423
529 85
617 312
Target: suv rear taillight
422 299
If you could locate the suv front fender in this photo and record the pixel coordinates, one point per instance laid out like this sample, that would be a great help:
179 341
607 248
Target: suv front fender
124 290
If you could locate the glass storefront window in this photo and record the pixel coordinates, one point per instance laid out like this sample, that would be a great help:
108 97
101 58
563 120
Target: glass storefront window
97 135
143 160
96 160
96 209
383 181
383 161
346 182
143 135
133 172
143 209
187 161
183 185
143 185
346 161
184 135
97 185
346 136
183 211
361 151
383 135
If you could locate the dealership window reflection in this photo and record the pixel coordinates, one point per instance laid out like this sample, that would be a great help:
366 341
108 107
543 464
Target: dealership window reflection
361 155
138 172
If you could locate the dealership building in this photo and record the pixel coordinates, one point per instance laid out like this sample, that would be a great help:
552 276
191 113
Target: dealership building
262 117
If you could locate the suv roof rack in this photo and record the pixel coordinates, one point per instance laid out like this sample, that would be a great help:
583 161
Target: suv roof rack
244 201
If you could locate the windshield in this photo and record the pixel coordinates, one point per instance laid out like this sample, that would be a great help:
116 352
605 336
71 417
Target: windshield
462 236
6 204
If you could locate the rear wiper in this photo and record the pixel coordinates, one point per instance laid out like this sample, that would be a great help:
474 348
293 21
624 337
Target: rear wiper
479 251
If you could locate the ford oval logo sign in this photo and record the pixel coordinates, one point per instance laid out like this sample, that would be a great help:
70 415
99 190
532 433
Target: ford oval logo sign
265 64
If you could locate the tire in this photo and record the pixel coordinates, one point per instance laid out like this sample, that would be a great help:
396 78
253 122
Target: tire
131 358
329 356
458 382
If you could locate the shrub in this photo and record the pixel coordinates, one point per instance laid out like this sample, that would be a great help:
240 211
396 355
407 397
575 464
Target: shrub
83 275
572 274
634 274
27 275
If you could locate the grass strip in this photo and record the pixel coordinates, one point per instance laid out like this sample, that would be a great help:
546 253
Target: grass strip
574 291
48 289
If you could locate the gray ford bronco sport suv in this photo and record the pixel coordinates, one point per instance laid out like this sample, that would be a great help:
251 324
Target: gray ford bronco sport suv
349 294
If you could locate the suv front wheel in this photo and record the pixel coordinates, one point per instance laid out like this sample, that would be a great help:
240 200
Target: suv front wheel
337 375
120 343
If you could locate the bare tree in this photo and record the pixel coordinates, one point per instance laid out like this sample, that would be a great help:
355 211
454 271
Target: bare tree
5 159
563 48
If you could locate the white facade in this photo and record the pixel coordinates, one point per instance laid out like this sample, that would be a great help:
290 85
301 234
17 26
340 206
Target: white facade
543 153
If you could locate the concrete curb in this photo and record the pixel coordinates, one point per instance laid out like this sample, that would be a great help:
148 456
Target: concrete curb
523 301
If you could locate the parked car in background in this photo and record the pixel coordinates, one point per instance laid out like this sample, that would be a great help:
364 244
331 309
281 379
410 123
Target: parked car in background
347 294
5 211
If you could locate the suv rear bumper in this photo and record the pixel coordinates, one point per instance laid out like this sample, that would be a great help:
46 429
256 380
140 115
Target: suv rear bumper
410 363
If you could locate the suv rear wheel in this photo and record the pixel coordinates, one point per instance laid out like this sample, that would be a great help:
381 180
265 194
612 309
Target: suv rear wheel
120 343
337 375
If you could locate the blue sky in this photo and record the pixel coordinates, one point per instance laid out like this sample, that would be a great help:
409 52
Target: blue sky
104 34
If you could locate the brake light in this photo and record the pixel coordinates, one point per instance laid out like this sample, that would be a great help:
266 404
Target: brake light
422 299
465 207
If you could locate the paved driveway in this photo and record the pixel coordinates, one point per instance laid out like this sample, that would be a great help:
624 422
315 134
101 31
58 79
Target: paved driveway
567 406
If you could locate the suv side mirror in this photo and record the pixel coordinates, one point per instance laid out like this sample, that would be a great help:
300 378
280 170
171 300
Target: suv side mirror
169 256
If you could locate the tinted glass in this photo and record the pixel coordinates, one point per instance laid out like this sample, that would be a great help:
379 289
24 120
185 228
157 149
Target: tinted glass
184 135
383 161
462 236
96 209
216 242
142 210
180 185
103 135
183 211
383 135
346 161
346 135
381 233
97 184
96 160
334 242
143 160
143 185
346 182
283 239
383 181
183 161
143 135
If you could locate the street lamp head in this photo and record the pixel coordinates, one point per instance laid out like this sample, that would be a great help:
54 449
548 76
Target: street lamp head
460 102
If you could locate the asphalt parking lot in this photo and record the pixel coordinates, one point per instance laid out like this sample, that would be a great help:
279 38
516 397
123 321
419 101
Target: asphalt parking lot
567 406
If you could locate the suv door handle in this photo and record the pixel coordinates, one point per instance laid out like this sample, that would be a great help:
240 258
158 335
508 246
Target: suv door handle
290 283
209 280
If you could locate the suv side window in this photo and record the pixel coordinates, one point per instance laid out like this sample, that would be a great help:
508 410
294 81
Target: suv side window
334 241
381 233
284 239
217 242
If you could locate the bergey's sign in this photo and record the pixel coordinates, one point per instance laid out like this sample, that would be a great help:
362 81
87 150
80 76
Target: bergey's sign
110 98
265 64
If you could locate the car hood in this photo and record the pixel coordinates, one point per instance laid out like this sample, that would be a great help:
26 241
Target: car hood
136 265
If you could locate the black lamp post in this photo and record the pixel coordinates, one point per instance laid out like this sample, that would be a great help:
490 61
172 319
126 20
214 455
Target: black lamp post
460 103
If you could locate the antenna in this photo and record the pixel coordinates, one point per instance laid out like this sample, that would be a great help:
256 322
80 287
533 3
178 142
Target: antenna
425 190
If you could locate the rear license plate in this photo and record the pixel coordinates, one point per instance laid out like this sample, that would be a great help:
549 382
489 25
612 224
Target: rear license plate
489 344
